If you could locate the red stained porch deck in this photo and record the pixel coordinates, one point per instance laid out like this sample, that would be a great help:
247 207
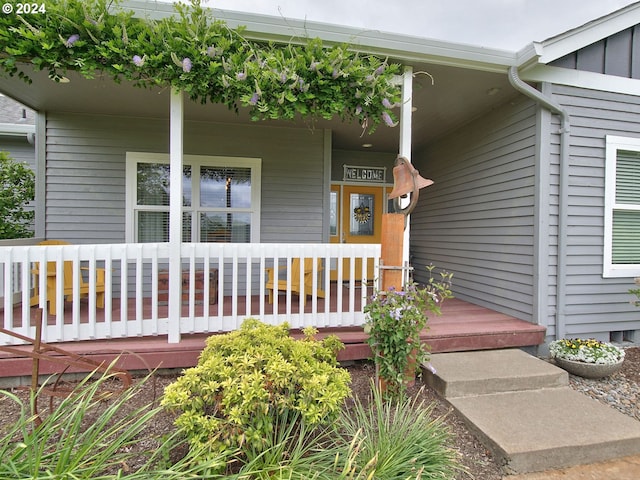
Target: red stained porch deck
462 326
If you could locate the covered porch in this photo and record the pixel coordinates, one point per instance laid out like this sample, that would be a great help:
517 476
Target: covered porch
138 319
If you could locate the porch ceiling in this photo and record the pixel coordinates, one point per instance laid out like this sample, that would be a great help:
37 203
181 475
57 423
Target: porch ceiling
456 96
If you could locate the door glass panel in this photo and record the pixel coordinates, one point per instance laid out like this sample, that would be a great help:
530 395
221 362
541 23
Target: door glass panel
362 214
333 214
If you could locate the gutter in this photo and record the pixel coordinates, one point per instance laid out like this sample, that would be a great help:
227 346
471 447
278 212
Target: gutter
18 130
563 200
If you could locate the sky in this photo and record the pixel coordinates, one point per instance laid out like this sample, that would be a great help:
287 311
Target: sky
502 24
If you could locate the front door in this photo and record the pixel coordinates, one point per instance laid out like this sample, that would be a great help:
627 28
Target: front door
356 217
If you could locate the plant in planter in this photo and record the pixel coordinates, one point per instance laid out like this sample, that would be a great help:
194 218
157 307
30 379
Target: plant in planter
395 319
587 358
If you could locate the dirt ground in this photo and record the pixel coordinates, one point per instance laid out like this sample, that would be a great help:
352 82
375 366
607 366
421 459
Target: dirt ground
478 462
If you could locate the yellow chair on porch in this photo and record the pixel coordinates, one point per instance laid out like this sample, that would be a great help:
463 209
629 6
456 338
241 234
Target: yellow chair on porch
305 289
67 288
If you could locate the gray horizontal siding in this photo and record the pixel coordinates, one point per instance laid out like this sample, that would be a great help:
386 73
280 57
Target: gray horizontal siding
85 191
477 220
594 305
19 149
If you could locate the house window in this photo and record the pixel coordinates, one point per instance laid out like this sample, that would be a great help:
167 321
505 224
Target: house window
622 208
220 198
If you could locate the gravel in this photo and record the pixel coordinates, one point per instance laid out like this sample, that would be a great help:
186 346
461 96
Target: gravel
620 390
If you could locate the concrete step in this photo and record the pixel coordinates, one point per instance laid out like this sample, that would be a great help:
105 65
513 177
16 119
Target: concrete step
529 418
492 371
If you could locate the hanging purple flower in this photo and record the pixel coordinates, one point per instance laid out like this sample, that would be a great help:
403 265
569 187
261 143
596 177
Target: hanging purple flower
254 99
138 61
336 73
388 120
283 77
186 64
358 109
386 103
213 51
379 70
314 66
241 76
71 40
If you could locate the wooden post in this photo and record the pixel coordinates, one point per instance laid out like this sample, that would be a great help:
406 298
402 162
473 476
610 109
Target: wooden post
392 248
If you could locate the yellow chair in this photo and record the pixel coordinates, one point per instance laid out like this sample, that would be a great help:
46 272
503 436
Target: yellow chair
67 289
305 289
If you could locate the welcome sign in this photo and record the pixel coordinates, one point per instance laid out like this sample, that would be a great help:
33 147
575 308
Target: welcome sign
364 174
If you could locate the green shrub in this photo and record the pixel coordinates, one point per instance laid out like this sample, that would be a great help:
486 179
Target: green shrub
17 189
246 380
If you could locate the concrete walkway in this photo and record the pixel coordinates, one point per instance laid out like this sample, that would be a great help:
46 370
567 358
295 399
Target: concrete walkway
523 410
627 468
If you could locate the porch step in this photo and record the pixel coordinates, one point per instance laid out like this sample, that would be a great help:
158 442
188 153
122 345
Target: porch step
492 371
523 410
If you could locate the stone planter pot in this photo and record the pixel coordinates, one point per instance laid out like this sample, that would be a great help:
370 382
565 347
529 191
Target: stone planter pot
588 370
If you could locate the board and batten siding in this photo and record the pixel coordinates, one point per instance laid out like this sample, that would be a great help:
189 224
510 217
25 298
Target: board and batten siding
477 220
618 54
85 165
594 306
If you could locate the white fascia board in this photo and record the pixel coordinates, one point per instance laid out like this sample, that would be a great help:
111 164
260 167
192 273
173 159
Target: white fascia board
582 79
16 129
580 37
397 46
400 47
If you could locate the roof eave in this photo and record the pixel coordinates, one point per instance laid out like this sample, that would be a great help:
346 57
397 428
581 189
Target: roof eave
402 48
587 34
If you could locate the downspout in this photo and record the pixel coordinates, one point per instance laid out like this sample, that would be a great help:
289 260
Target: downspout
563 200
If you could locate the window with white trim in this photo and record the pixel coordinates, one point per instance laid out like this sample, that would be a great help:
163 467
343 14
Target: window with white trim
220 198
622 208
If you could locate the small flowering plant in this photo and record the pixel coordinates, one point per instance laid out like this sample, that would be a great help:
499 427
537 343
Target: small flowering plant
395 319
586 351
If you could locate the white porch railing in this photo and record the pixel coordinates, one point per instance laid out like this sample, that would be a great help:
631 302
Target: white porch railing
222 284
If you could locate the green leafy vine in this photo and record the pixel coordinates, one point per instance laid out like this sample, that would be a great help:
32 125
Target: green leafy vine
205 58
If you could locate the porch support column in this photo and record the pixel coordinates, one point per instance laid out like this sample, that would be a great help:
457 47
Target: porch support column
405 142
176 125
395 227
